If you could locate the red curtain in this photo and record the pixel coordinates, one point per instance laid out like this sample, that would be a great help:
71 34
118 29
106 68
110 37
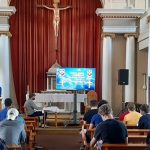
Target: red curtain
33 42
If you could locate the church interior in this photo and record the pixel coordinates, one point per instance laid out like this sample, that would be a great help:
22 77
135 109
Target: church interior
45 42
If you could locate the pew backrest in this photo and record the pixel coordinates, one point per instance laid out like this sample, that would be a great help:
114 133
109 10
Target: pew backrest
124 146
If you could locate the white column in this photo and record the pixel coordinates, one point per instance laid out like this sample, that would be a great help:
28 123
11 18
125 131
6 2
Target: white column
130 64
107 68
6 77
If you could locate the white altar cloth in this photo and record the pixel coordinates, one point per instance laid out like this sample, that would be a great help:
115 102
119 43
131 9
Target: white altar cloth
57 97
67 99
53 109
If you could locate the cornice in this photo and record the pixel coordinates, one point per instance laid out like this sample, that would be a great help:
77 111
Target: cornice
119 29
120 13
7 11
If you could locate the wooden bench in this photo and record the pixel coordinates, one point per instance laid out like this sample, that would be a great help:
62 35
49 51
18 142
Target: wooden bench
133 138
57 117
137 138
132 127
138 131
14 147
124 146
34 120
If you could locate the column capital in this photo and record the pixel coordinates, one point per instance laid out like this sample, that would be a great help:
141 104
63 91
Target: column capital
7 33
104 34
7 11
148 19
131 34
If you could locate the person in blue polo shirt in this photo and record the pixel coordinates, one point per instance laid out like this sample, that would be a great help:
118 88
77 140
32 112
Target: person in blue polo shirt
3 113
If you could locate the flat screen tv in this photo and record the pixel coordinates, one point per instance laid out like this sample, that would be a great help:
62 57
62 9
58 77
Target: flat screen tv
75 79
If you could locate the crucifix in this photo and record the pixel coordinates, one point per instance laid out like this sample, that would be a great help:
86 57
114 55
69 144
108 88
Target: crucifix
56 16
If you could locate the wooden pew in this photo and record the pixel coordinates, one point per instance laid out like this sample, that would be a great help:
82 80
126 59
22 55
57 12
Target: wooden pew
138 131
30 141
14 147
124 146
132 127
137 138
33 120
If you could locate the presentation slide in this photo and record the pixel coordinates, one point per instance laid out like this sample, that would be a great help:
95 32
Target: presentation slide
75 79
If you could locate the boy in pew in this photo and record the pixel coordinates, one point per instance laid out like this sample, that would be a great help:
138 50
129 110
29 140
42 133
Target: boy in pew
144 122
132 118
3 112
87 119
110 130
11 130
95 120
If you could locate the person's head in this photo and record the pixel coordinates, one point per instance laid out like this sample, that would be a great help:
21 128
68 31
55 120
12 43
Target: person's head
102 102
32 96
12 114
8 102
144 109
105 111
131 106
93 103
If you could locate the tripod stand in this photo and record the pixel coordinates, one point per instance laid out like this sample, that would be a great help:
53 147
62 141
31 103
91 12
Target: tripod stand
123 97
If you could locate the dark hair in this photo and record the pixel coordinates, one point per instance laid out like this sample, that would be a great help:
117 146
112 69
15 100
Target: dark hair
8 102
105 109
145 108
93 103
131 106
102 102
31 95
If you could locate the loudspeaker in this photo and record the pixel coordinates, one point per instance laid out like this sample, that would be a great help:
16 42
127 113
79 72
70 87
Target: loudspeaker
123 75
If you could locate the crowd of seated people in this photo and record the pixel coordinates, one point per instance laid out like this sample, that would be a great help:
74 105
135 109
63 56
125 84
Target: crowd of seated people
100 117
112 131
94 119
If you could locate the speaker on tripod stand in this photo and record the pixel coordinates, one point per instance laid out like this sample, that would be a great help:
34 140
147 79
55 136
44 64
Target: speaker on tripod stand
123 77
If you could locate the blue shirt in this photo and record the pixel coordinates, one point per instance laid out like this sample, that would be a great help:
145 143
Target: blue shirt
144 122
3 114
96 119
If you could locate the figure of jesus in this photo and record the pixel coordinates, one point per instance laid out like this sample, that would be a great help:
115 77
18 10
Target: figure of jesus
56 16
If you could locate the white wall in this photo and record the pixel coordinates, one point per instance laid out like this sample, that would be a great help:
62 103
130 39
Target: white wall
4 3
119 52
118 4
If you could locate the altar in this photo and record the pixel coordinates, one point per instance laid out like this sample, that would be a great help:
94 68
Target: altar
63 101
66 101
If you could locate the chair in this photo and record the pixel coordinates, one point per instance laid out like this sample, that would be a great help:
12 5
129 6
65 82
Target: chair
91 95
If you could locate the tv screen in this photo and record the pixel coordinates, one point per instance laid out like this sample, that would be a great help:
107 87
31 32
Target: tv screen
75 79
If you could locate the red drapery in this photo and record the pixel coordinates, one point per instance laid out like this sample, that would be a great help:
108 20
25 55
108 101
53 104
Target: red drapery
32 44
